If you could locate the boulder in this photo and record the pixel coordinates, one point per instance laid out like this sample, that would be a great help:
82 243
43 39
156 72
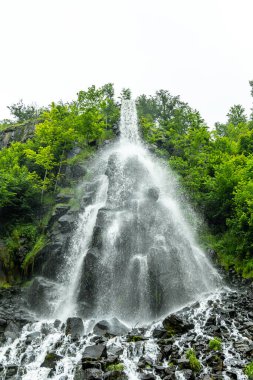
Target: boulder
12 330
176 325
95 352
11 372
113 349
51 360
60 210
113 375
147 376
153 193
88 374
112 327
74 327
39 293
145 362
159 333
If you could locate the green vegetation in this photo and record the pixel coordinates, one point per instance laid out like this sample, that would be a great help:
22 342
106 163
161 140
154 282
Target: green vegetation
115 367
32 172
29 258
194 362
170 331
135 338
215 344
248 370
214 167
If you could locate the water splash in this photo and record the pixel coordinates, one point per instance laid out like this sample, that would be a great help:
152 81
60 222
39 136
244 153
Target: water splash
133 256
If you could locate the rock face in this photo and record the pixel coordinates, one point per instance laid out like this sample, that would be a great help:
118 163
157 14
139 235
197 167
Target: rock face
19 133
13 313
41 294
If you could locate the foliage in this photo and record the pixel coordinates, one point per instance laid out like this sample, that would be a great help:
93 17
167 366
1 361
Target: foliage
215 344
215 169
22 112
115 367
29 259
30 172
248 370
194 362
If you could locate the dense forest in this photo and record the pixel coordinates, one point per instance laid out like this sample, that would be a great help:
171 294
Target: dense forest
215 169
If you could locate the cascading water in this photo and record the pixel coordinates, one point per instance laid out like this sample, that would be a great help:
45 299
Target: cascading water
133 255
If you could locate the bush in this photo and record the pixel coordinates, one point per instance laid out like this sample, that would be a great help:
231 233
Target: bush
194 362
115 367
248 370
215 344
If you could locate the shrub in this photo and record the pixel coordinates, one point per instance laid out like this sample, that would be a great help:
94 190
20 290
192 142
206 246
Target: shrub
248 370
116 367
215 344
194 362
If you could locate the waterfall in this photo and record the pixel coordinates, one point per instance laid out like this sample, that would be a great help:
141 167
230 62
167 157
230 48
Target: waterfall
134 255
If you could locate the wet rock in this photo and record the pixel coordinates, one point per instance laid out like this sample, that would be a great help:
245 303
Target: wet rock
11 371
183 363
74 152
57 323
160 370
94 352
145 362
59 211
12 330
170 373
64 198
51 360
232 374
38 294
147 376
159 333
188 374
113 349
111 327
215 361
153 193
32 336
88 374
176 325
113 375
67 222
91 364
75 172
166 351
74 327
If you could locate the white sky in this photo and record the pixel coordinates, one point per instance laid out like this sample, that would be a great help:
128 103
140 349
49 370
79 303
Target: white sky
201 50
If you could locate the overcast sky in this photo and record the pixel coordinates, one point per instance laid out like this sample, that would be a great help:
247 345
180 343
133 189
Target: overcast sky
201 50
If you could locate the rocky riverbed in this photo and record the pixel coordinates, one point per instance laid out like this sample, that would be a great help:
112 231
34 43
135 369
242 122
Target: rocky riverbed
210 339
